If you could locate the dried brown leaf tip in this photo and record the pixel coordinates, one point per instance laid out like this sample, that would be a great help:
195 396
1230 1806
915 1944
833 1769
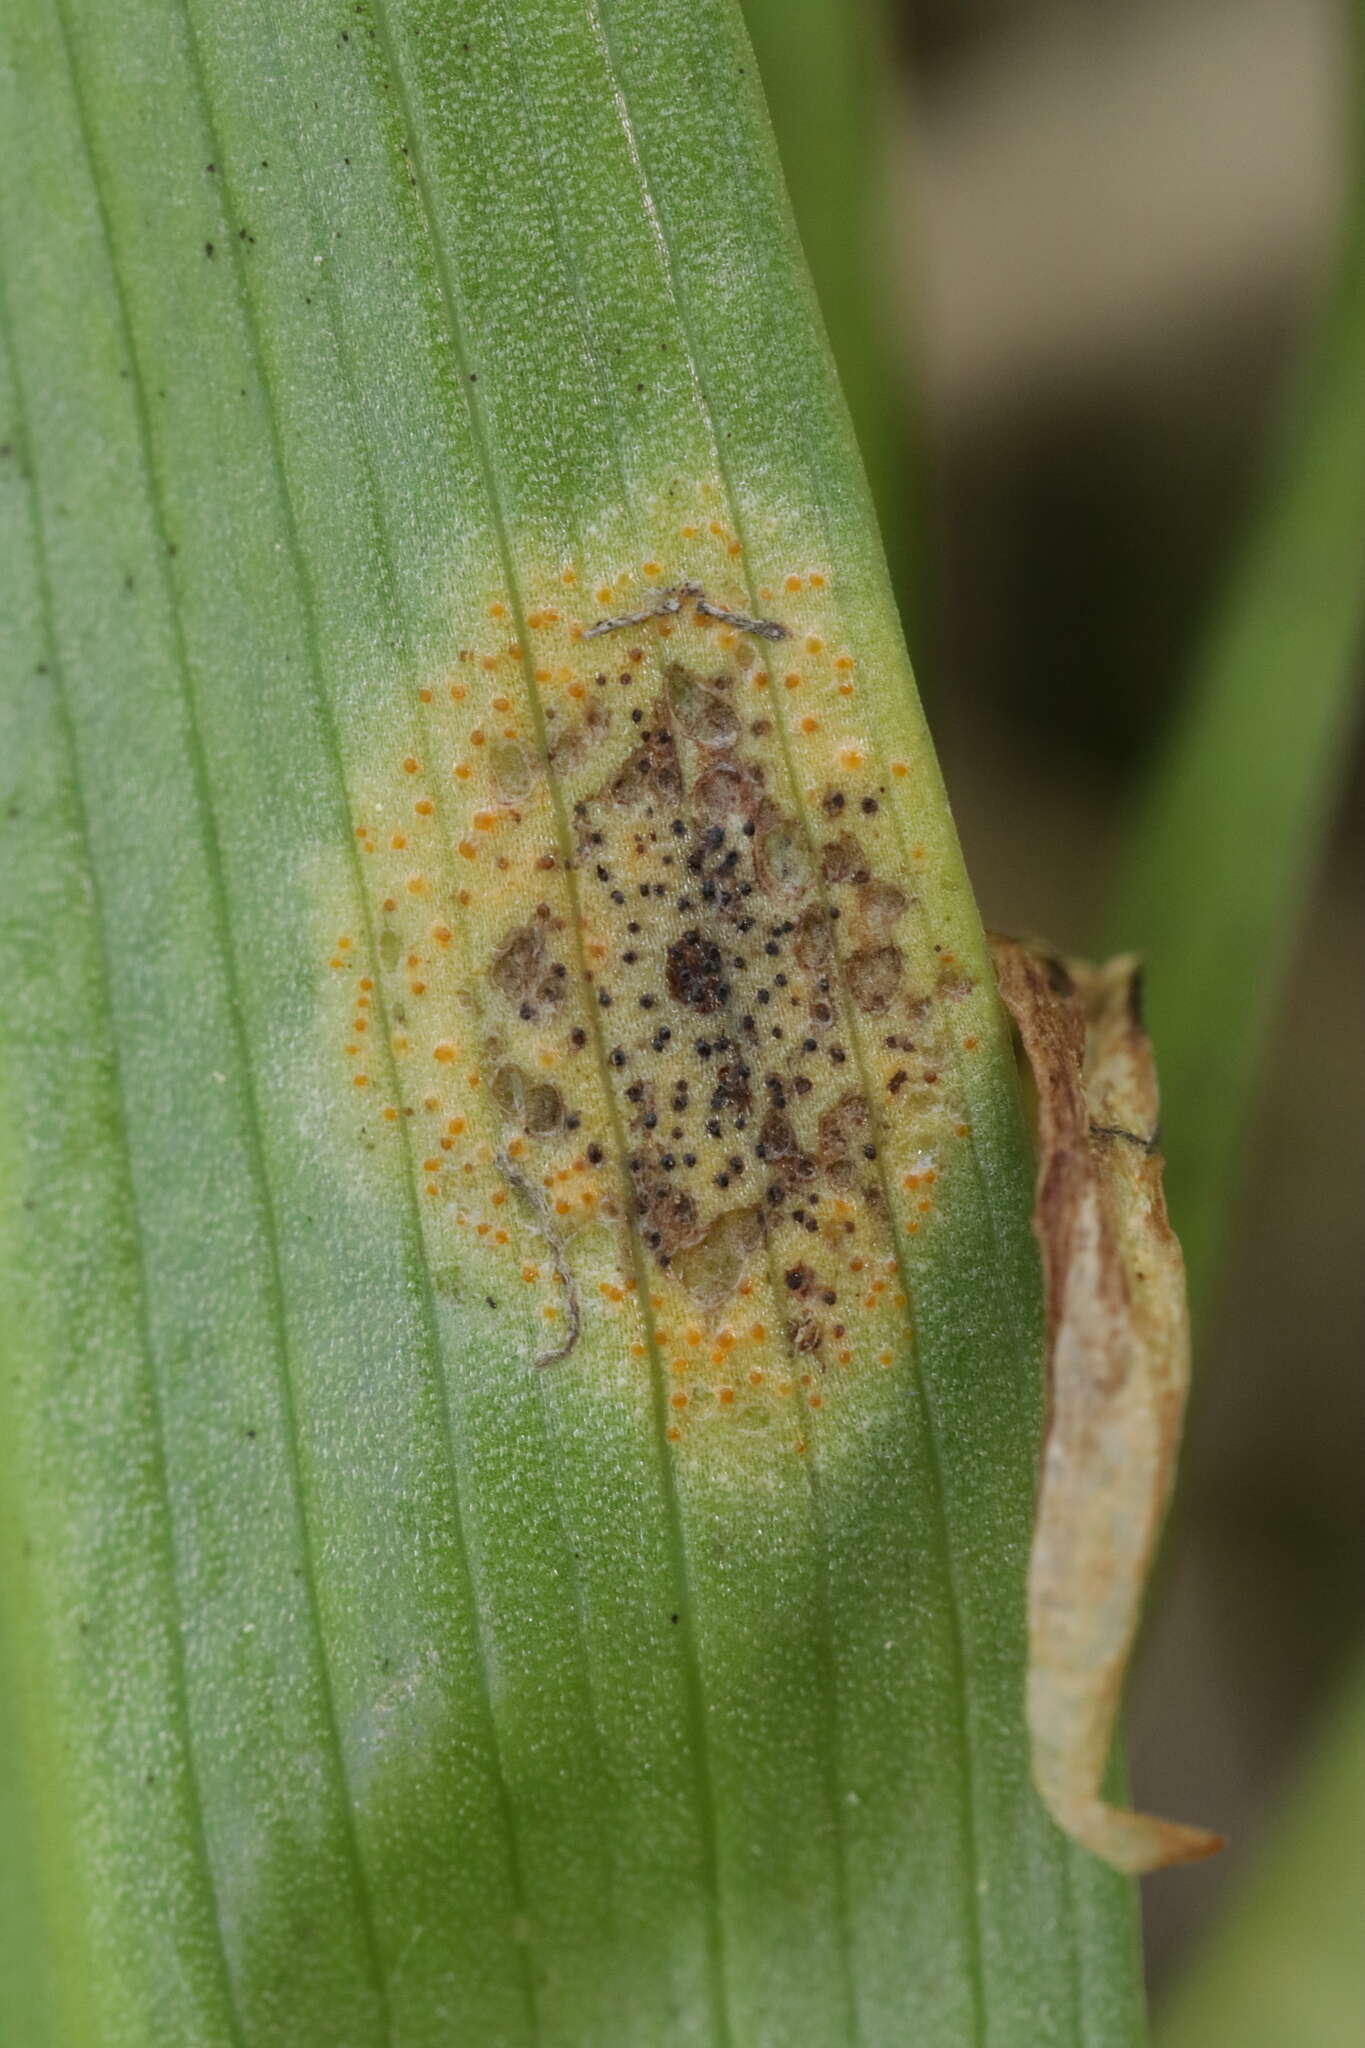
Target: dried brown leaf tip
1118 1368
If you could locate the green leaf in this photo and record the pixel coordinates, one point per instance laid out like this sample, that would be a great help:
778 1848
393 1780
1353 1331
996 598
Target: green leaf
1283 1964
379 1679
1221 852
825 65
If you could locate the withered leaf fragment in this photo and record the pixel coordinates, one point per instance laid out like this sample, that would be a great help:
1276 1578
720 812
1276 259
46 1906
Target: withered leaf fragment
1118 1368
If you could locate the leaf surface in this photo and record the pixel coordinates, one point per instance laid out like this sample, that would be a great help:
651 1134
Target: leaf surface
381 1680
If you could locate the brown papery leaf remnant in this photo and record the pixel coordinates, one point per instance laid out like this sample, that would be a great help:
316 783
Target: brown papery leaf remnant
1118 1368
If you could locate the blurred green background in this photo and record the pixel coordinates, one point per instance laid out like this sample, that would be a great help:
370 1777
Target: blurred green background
1072 255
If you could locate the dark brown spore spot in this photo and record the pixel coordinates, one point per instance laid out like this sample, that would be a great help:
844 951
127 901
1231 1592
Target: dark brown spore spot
694 972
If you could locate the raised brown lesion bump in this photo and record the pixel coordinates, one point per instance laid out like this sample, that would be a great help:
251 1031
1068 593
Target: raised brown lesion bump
879 906
537 1107
843 860
712 1268
874 975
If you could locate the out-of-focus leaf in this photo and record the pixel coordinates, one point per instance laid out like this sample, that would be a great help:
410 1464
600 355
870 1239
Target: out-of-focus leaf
382 1681
1219 855
1284 1965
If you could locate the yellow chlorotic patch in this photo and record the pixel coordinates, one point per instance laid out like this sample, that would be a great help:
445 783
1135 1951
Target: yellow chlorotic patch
660 1027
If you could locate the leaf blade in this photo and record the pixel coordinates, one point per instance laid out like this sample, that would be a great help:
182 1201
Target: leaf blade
309 438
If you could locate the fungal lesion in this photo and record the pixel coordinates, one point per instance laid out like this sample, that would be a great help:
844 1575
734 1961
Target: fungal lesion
651 955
